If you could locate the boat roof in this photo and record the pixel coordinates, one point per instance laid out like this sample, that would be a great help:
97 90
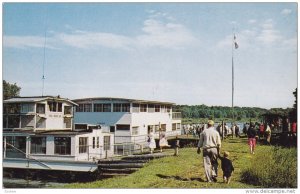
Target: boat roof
122 99
46 132
37 99
61 132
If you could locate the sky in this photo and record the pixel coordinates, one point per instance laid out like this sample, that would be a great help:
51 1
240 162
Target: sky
174 52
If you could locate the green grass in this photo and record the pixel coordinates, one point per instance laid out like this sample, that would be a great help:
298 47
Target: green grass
184 171
273 167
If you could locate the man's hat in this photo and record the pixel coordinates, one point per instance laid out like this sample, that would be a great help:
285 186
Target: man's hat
210 122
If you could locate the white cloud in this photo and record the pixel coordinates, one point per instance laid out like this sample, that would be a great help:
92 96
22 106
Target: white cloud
243 38
252 21
156 33
233 22
269 36
82 39
23 42
257 37
166 35
286 11
268 33
225 43
290 43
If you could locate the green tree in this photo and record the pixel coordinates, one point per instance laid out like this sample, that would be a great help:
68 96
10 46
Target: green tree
10 90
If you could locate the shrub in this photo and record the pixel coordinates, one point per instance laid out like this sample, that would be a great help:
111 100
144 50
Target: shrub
273 167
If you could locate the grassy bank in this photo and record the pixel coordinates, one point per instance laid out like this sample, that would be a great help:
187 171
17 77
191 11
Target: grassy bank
273 167
185 171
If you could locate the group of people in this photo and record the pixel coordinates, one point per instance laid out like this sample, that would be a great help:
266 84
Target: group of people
163 142
224 131
210 144
193 129
264 131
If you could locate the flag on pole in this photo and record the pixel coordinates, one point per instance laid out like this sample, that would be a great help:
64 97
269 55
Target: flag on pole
235 43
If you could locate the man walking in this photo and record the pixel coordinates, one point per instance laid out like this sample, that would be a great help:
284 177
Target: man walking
210 142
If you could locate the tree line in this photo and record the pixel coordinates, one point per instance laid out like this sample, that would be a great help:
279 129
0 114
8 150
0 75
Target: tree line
203 111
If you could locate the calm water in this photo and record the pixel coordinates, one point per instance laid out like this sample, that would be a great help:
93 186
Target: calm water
22 183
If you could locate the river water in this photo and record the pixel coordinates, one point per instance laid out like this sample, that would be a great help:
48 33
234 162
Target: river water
22 183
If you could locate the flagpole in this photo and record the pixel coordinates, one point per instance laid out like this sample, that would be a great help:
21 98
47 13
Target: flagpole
232 64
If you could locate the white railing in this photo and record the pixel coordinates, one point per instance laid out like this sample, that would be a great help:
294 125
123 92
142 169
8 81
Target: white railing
109 151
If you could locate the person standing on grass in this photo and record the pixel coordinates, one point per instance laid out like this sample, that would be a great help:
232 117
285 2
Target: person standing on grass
227 167
151 142
232 130
251 137
237 131
268 134
261 131
163 142
210 142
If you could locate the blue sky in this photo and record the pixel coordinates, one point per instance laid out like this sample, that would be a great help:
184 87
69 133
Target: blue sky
177 52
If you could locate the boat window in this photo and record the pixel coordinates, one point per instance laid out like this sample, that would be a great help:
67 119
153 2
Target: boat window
123 127
94 142
98 143
13 121
40 108
26 108
163 108
173 126
143 108
67 110
117 107
12 108
112 129
106 142
125 107
168 108
106 107
135 108
62 145
151 108
59 107
157 108
52 106
135 130
67 123
98 107
55 106
15 147
83 144
84 108
40 122
163 127
27 121
38 145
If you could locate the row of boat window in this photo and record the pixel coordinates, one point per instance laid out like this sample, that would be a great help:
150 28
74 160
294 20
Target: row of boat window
40 108
16 145
121 107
